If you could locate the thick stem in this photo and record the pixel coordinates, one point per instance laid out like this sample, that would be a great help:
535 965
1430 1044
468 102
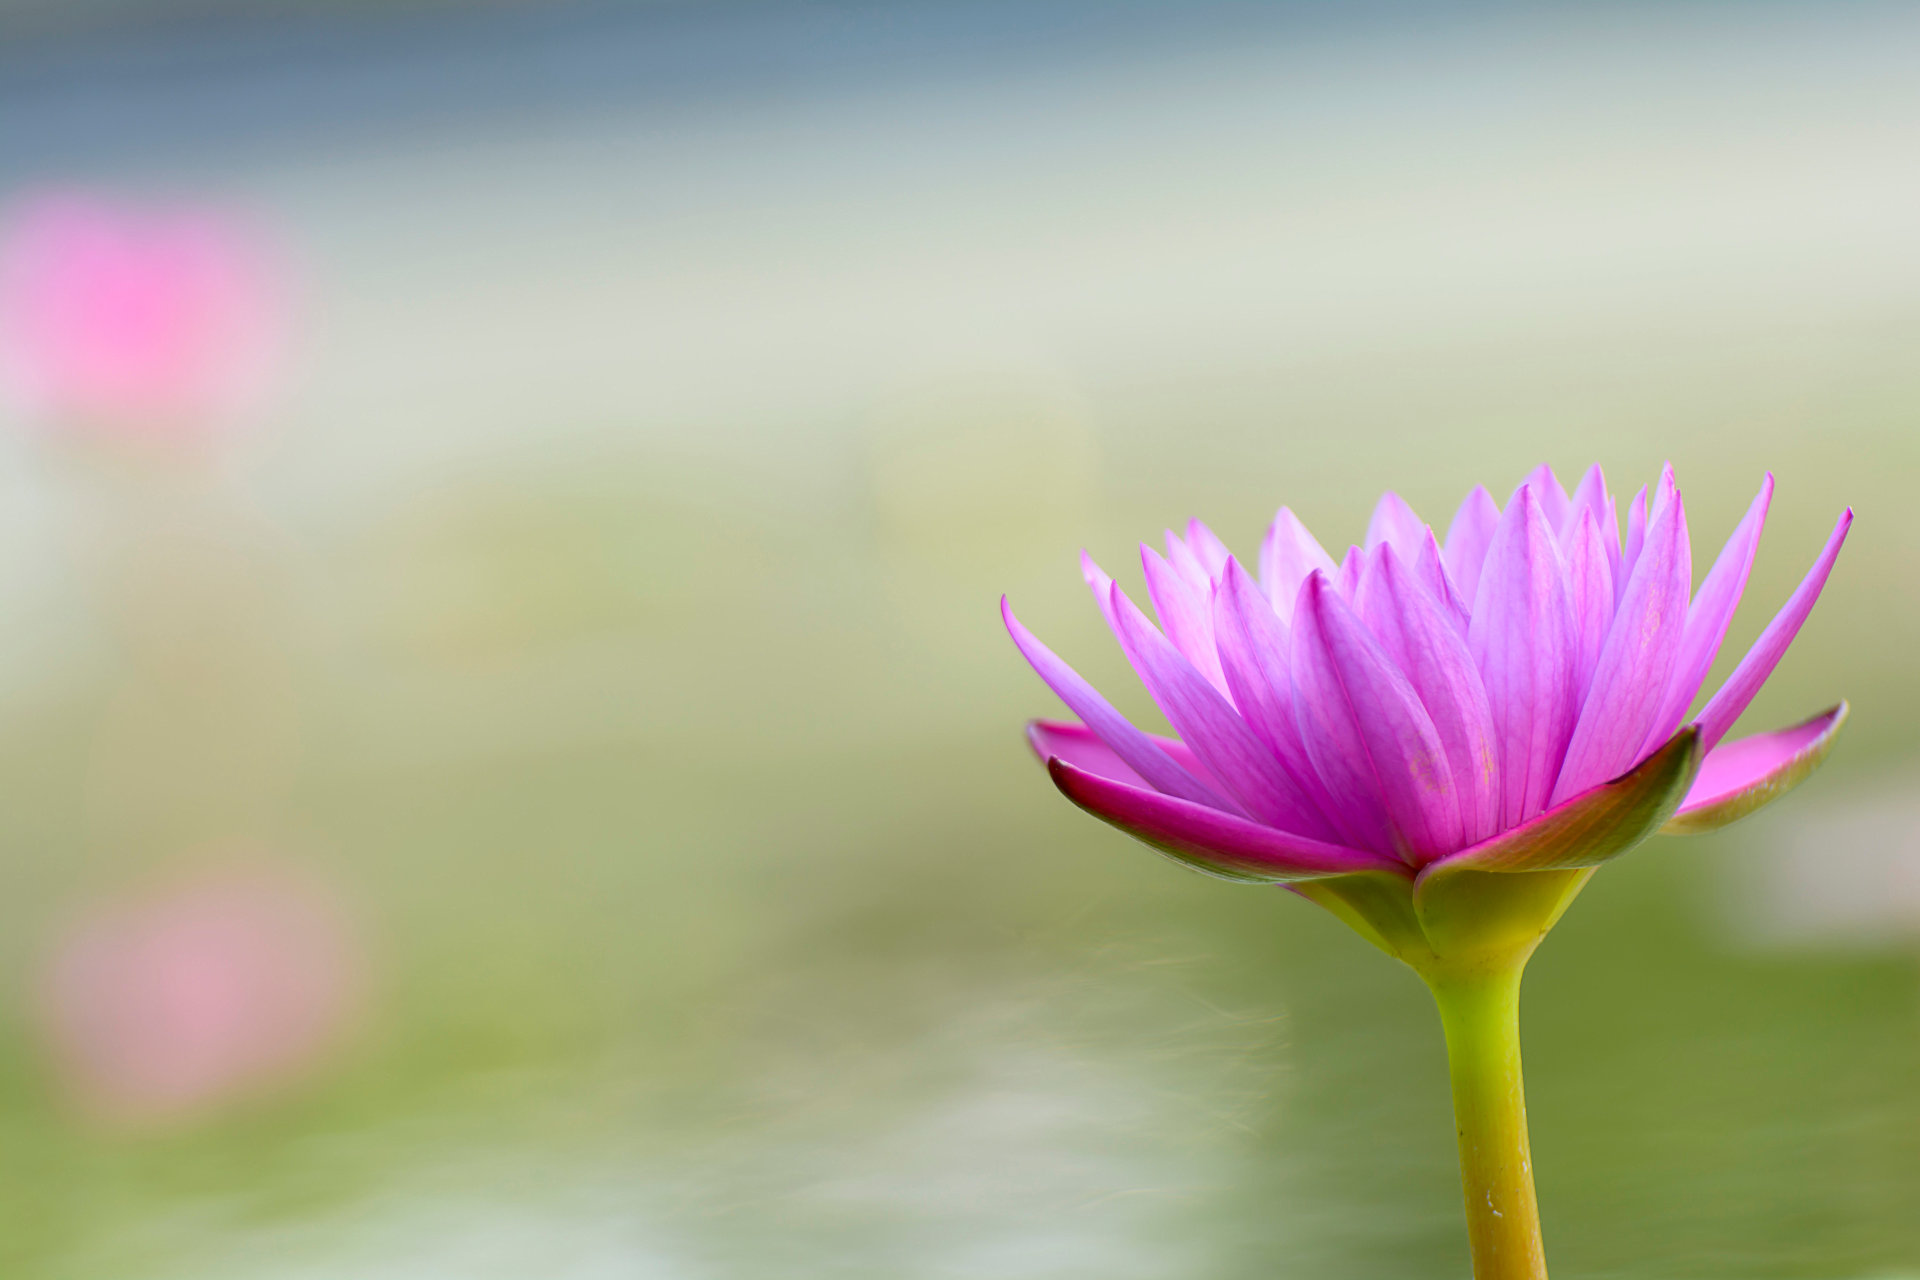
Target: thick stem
1481 1014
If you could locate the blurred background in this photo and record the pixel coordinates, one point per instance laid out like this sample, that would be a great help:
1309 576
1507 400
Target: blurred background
510 763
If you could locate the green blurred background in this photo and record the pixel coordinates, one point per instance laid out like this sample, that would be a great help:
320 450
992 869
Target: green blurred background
605 613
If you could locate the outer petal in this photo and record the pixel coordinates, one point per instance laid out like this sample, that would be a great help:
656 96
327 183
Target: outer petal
1521 638
1207 722
1424 642
1333 740
1395 524
1287 555
1630 681
1097 582
1208 839
1636 538
1082 748
1591 495
1725 706
1254 649
1590 593
1710 613
1600 823
1128 742
1182 558
1553 498
1352 569
1468 539
1430 570
1185 612
1211 551
1403 750
1740 776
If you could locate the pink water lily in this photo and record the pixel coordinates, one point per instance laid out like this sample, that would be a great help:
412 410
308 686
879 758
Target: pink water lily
1426 703
136 321
1440 741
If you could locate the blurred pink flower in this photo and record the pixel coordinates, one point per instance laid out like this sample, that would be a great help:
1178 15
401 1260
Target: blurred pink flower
149 321
207 993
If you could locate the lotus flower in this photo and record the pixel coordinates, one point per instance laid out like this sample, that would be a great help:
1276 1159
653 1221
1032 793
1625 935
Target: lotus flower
164 1006
1440 741
135 321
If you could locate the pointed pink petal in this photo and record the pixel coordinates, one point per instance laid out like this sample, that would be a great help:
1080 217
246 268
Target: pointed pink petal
1287 555
1099 583
1186 614
1522 641
1725 706
1430 571
1588 829
1630 680
1352 569
1128 743
1740 776
1591 495
1207 722
1408 760
1416 632
1212 552
1208 839
1468 538
1709 615
1590 592
1553 498
1182 558
1082 748
1254 647
1636 538
1394 523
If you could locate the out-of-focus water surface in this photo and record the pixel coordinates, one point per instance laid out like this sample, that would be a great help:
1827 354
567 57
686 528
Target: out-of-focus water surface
545 797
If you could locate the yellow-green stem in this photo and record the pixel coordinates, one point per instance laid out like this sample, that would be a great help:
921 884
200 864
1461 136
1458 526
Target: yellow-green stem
1481 1013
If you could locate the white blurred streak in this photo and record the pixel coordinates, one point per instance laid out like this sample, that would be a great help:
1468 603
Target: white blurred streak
1839 870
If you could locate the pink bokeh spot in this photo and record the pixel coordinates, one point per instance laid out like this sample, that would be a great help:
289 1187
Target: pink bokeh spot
207 993
120 319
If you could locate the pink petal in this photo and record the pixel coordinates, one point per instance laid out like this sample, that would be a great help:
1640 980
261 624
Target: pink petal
1417 632
1207 722
1740 776
1590 592
1099 583
1207 838
1553 498
1430 570
1725 706
1394 523
1212 552
1352 570
1468 538
1591 495
1254 646
1636 663
1636 538
1287 555
1128 743
1186 613
1182 558
1082 748
1588 829
1364 725
1522 641
1709 615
